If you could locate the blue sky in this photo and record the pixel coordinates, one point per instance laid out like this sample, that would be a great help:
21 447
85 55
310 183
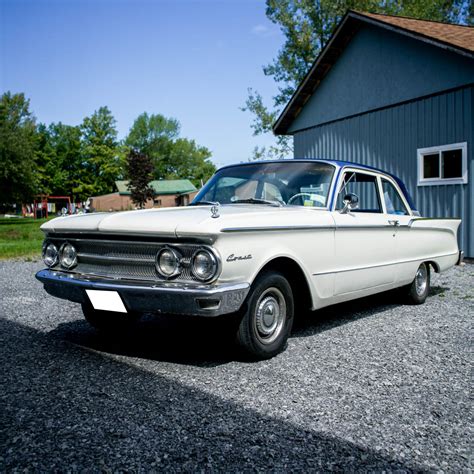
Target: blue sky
188 59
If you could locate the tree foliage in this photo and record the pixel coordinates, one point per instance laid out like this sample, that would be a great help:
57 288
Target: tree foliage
102 160
86 160
153 135
140 173
158 137
187 160
307 25
59 158
18 170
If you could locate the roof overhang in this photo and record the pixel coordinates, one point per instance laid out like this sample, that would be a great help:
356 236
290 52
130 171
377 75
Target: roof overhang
345 31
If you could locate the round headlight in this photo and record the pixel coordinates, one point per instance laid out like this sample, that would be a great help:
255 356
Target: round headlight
50 254
204 265
68 256
168 262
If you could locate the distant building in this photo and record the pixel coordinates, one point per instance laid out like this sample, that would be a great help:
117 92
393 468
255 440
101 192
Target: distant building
167 193
398 94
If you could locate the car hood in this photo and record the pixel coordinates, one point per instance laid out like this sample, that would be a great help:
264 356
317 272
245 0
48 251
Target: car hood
190 221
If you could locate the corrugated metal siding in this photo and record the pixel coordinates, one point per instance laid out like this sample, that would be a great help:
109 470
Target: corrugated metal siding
389 139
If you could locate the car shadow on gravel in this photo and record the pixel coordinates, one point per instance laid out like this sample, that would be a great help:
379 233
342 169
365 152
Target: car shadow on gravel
68 408
177 339
208 342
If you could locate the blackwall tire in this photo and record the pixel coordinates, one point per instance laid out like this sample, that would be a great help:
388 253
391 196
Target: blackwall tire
268 317
419 289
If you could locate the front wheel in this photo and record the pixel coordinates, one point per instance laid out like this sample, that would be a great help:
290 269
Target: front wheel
266 324
419 289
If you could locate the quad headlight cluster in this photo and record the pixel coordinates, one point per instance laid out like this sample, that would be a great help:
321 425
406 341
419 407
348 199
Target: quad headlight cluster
179 262
66 255
170 263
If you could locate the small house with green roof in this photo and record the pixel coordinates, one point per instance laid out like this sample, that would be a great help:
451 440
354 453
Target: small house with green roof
167 193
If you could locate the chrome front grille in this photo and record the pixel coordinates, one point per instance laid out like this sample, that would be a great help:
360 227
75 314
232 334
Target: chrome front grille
124 259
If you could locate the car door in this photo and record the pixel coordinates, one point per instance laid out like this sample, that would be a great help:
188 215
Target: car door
364 239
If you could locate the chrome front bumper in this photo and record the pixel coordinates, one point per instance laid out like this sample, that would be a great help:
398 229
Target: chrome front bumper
146 297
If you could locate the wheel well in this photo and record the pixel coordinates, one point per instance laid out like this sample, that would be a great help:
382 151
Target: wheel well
434 265
296 278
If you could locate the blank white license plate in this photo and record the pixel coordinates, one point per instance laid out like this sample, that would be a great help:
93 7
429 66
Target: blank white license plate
106 300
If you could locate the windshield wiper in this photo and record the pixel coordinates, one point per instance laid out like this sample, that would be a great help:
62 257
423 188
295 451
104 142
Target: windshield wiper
203 203
257 201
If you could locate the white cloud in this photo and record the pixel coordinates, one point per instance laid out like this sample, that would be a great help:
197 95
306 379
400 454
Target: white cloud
262 30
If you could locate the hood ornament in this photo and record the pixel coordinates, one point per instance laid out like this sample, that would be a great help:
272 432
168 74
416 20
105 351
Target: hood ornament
215 210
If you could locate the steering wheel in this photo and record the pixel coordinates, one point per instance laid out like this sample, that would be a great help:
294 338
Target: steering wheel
297 195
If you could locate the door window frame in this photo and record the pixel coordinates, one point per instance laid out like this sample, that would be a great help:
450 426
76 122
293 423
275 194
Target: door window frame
379 186
345 171
400 195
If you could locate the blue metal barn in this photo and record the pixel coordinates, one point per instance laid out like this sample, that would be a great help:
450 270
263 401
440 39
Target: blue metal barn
398 94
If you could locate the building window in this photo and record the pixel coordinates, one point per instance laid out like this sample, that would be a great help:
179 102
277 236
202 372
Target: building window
445 164
157 202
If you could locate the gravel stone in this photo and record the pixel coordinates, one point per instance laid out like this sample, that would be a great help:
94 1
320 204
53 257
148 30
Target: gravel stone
369 385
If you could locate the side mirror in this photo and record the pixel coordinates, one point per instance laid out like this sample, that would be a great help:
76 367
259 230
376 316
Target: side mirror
351 202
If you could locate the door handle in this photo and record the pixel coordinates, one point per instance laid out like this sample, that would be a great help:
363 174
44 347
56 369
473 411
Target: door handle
394 222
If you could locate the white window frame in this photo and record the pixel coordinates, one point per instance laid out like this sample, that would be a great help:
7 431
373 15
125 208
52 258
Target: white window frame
421 152
345 171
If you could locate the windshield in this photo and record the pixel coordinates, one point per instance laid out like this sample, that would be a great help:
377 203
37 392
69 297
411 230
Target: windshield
286 183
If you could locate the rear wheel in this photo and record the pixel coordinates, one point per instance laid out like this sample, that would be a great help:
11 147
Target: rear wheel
419 289
266 324
109 321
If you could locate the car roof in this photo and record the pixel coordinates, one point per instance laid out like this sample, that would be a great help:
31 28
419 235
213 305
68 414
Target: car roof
337 163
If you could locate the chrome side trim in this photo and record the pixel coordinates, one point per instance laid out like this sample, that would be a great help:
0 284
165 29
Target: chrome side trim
364 227
434 219
305 227
276 228
385 264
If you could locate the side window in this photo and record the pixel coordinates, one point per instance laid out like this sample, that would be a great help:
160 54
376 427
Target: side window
365 187
393 200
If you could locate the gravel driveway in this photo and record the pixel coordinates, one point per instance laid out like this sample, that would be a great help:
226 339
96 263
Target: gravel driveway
367 385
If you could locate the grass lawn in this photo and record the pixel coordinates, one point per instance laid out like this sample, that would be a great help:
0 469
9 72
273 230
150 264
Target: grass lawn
20 238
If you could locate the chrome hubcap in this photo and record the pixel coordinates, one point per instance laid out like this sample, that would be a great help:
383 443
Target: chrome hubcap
270 315
421 280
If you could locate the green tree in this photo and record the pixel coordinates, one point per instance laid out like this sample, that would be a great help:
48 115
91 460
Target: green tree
59 158
187 160
102 159
153 135
307 25
140 173
18 141
158 137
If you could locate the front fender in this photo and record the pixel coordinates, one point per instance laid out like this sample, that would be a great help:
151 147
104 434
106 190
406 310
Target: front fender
312 251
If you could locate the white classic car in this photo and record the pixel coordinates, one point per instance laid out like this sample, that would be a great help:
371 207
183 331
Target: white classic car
261 240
